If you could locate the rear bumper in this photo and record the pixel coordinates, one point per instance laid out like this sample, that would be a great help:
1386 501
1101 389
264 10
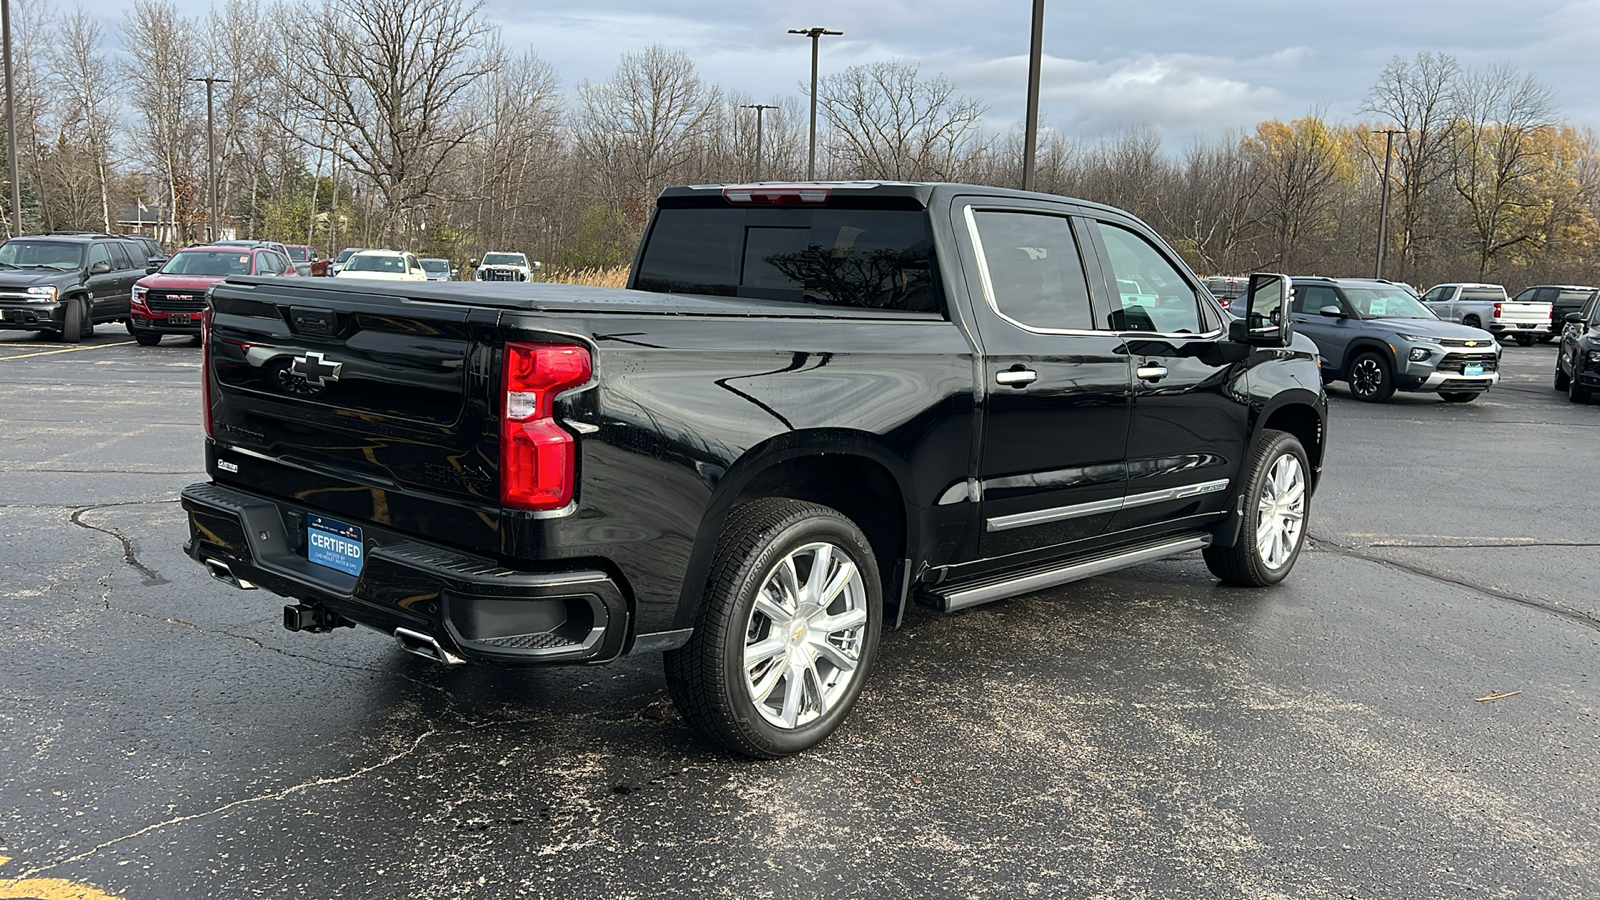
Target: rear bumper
474 608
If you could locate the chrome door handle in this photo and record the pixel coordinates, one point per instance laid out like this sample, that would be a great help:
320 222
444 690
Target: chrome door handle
1151 373
1017 377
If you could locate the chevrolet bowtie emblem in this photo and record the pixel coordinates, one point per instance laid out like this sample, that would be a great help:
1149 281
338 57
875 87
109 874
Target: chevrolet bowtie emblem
316 369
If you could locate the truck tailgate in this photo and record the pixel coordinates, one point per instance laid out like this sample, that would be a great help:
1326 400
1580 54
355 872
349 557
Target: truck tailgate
1514 312
373 407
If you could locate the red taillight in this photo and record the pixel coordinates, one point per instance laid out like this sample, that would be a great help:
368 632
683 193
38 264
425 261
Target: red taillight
776 194
205 366
1497 310
537 456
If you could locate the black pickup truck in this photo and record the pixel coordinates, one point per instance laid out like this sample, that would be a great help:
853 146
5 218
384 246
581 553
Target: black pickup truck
815 404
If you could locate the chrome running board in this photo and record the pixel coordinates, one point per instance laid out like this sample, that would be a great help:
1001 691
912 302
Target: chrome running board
984 591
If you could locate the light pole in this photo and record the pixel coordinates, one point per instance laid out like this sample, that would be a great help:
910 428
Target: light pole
814 34
759 108
1030 135
211 151
1383 202
11 122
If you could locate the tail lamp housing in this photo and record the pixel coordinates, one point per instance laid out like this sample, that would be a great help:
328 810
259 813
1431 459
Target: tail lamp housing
538 458
205 367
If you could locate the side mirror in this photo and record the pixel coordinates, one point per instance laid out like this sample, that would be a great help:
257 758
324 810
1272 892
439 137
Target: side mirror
454 272
152 268
535 266
1331 311
473 263
100 268
1266 321
1574 317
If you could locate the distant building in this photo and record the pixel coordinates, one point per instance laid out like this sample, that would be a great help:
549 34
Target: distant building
156 221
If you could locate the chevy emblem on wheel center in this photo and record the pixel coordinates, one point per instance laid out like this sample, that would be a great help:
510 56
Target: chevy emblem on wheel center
316 369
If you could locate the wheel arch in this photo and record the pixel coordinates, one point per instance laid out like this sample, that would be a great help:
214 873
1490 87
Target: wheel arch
843 470
1298 412
1360 346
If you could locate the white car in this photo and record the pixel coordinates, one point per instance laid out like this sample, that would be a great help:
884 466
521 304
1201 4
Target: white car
504 267
386 265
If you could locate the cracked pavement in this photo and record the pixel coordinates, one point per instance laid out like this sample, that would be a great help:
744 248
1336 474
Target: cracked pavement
1146 734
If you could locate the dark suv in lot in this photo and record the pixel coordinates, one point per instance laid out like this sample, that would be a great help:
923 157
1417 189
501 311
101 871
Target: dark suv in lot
1379 338
66 283
1564 299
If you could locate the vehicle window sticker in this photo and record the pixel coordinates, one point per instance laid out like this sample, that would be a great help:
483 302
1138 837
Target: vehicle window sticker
1378 306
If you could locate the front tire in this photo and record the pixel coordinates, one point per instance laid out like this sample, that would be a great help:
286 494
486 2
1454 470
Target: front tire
1278 499
1370 379
73 321
1459 396
147 340
787 631
1561 377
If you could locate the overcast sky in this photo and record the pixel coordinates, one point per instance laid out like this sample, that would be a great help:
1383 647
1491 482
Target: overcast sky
1186 67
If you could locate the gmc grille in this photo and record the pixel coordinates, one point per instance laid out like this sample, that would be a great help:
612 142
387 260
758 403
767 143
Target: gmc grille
175 301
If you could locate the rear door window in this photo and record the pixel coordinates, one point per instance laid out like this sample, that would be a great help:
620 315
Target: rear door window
1032 270
867 258
119 257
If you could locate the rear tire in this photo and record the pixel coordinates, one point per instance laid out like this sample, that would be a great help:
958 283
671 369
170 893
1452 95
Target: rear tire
787 631
147 340
1524 340
1277 500
1561 377
1370 379
1459 396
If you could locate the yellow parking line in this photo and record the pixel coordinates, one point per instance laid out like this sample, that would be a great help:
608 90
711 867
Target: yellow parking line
65 350
49 889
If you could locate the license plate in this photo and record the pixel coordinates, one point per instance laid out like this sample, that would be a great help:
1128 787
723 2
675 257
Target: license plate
1472 369
180 318
334 544
1527 325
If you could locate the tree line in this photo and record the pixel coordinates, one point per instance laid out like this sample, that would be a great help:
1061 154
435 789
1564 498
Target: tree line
348 123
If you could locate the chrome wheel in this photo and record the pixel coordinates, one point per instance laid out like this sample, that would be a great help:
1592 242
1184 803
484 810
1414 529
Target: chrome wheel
1281 512
804 636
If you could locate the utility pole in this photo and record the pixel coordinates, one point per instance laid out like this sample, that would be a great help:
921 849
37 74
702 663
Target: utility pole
1031 129
759 108
1383 203
211 151
814 34
11 122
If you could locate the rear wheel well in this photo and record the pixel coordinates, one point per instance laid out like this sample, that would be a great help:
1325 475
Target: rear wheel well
1302 422
860 489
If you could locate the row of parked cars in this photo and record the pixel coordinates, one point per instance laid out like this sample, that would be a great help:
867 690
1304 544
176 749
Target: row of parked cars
64 283
1380 336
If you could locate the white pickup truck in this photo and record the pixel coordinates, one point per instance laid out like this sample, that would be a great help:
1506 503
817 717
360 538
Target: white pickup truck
1486 306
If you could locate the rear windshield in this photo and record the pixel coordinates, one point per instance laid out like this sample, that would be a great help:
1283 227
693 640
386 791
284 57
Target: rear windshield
208 262
872 258
1575 296
1483 293
298 254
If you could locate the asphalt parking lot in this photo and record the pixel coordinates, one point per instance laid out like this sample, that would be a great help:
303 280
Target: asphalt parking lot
1147 734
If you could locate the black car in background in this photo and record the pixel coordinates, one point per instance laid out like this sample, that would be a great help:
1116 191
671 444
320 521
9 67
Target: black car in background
64 284
1564 299
1578 361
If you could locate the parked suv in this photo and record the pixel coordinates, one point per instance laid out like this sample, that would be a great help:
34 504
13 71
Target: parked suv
1378 338
1578 362
65 284
1227 288
170 301
1564 299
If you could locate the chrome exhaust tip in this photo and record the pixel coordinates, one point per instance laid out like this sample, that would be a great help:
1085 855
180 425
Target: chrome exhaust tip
425 645
220 571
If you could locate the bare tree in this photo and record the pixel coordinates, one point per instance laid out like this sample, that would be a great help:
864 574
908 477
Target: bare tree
1497 156
1419 95
886 122
1210 214
390 80
168 140
515 154
80 74
643 128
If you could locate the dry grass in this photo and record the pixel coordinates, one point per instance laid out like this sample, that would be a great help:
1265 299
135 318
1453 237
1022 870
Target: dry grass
614 277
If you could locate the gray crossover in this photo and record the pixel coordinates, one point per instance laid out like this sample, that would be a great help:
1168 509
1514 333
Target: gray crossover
1378 338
